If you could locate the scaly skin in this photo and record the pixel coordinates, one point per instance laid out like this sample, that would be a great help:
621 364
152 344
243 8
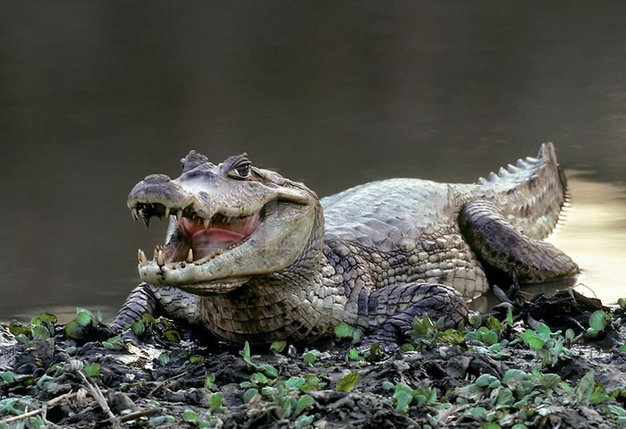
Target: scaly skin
373 256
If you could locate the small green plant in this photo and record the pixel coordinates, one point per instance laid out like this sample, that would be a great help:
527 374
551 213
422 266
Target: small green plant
79 327
277 347
549 346
347 381
404 396
598 322
114 343
343 330
41 326
265 368
287 396
310 356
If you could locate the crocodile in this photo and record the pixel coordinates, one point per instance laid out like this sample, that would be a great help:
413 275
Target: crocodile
250 255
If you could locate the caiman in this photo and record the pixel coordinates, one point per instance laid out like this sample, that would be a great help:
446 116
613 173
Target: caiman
250 255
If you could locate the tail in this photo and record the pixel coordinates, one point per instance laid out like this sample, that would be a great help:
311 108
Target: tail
530 194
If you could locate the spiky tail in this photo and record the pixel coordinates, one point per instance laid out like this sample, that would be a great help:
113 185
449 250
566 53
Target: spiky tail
530 194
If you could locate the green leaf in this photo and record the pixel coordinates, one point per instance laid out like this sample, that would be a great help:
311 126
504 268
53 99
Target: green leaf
598 320
542 328
138 328
493 323
75 331
388 385
288 406
312 382
294 383
353 354
164 358
477 413
40 331
490 425
509 317
172 335
534 342
505 397
258 378
343 330
622 348
304 402
278 346
84 317
357 335
403 400
490 338
250 394
269 370
303 421
310 357
347 382
487 380
7 376
196 358
216 401
36 422
584 388
617 410
189 416
92 369
113 343
245 353
209 381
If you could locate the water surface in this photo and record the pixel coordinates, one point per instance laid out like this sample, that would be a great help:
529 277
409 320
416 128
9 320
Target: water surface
95 95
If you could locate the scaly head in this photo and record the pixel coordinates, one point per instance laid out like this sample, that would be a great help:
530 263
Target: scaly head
228 223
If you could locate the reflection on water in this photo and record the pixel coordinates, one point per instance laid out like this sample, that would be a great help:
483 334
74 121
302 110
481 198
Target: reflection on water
594 235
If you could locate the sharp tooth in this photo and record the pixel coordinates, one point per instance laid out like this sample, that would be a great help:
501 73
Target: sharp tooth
179 215
160 258
142 257
206 222
167 212
134 213
146 219
190 256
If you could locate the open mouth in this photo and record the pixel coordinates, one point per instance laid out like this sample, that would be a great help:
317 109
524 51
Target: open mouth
195 239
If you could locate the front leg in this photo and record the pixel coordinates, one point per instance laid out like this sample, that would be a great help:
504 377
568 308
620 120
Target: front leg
394 308
165 301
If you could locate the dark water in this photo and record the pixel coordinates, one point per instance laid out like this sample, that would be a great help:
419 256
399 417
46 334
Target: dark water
95 95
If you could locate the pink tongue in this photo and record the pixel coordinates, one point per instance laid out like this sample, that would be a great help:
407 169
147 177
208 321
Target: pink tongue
205 241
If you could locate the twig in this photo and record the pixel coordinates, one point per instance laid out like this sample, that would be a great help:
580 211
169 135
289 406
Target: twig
41 410
22 416
138 414
97 394
164 382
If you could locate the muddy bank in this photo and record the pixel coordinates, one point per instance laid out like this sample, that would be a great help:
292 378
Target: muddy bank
491 373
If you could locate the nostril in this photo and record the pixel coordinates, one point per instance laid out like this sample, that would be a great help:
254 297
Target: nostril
157 178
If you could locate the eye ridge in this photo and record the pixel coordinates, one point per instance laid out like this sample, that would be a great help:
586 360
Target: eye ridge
242 170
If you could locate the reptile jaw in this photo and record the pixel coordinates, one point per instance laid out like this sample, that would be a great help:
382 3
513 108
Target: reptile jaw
192 238
217 255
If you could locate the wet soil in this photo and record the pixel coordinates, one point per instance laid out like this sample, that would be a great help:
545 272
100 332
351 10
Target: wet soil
153 382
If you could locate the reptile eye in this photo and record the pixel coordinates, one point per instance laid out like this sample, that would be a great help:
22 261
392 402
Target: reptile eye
242 171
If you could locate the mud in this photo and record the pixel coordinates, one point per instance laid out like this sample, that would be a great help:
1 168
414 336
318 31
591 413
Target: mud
153 382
